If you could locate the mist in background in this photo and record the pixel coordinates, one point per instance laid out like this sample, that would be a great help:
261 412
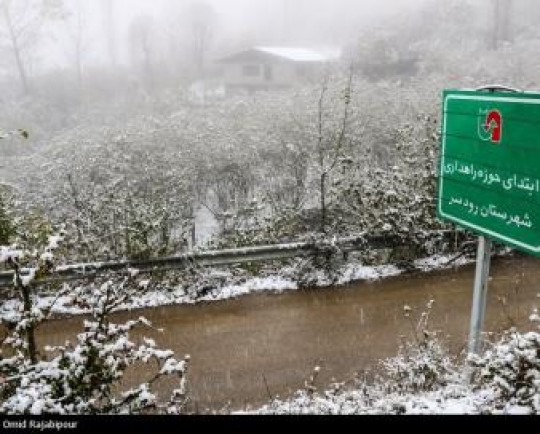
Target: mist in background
136 129
85 34
232 23
69 54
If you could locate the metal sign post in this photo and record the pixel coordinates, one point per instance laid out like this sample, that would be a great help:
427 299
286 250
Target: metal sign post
481 278
483 260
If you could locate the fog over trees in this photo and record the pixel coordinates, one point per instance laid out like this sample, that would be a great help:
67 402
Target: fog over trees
123 100
135 129
107 89
44 35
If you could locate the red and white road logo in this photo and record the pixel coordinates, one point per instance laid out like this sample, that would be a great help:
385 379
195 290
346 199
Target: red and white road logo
490 128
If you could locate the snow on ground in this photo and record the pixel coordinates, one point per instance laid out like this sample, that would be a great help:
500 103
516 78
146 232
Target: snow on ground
355 273
441 262
455 399
273 284
179 296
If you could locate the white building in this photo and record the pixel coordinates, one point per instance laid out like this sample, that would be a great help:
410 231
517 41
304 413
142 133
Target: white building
269 68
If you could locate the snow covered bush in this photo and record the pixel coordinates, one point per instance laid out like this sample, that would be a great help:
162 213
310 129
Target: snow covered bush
511 369
79 378
323 268
253 162
421 365
84 377
6 225
7 229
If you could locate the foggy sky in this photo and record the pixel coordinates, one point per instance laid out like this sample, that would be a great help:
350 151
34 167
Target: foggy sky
239 22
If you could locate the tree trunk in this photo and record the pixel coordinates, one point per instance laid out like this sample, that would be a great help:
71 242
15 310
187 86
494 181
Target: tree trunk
78 52
109 24
16 50
323 203
27 306
115 234
502 10
126 233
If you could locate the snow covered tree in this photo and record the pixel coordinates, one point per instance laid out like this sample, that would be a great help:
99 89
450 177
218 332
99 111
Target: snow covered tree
330 145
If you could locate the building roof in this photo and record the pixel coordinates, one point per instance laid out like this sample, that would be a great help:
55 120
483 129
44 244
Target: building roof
298 54
292 54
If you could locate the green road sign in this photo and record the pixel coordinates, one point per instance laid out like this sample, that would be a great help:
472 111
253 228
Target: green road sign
490 166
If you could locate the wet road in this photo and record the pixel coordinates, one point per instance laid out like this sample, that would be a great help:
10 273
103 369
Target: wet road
244 350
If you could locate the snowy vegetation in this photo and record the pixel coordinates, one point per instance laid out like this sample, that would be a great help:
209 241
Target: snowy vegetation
511 370
343 155
129 199
81 377
346 154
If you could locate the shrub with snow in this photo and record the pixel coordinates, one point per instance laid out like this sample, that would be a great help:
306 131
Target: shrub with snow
511 369
421 365
83 378
6 225
80 378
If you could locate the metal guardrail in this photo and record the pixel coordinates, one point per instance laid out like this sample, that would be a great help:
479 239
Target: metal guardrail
75 272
